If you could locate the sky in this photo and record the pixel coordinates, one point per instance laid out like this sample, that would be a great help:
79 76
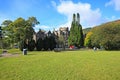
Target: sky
53 14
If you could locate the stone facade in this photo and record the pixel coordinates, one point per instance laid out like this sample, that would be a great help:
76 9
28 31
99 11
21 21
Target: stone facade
63 31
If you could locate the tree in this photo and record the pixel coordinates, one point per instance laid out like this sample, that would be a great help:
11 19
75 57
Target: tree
33 21
61 41
39 44
20 29
88 39
107 36
52 42
0 32
8 39
31 45
46 43
6 23
76 33
29 31
22 45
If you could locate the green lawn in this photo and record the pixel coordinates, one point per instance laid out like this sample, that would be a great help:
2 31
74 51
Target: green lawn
66 65
12 51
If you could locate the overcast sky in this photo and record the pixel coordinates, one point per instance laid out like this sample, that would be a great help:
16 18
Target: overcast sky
58 13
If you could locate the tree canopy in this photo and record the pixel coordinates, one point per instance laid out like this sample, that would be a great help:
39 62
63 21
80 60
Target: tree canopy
20 29
106 35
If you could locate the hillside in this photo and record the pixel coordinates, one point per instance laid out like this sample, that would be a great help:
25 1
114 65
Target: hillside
106 35
111 23
86 30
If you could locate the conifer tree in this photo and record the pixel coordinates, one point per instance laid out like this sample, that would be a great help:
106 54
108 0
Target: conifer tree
76 33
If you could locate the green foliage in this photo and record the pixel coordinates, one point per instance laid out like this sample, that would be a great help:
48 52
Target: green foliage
76 34
0 32
20 29
22 45
67 65
4 43
88 39
31 45
86 30
33 21
107 36
46 43
39 44
52 42
6 23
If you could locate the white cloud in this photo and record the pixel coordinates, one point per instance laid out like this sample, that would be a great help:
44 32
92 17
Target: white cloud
88 17
112 18
43 27
68 24
115 3
53 3
3 17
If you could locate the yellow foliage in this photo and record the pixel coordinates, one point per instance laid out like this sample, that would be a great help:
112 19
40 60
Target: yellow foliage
87 39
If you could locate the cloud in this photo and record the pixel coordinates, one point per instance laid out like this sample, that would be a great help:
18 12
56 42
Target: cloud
43 27
3 17
53 4
88 17
115 3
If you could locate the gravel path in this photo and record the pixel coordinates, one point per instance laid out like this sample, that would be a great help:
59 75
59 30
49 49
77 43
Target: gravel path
9 55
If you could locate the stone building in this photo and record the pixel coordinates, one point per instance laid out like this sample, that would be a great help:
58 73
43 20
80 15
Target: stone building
63 31
40 34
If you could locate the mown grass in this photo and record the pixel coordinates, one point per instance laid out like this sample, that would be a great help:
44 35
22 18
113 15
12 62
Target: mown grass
12 51
0 51
66 65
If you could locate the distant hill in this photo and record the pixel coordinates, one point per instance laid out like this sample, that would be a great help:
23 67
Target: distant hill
86 30
106 35
111 23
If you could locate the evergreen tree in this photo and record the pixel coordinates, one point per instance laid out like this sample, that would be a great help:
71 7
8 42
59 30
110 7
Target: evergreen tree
76 33
52 42
46 43
31 45
39 44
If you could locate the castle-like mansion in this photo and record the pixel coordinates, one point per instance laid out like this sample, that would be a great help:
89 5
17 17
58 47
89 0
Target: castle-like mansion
63 31
61 34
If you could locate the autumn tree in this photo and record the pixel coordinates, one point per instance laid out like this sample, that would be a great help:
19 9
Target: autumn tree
88 40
